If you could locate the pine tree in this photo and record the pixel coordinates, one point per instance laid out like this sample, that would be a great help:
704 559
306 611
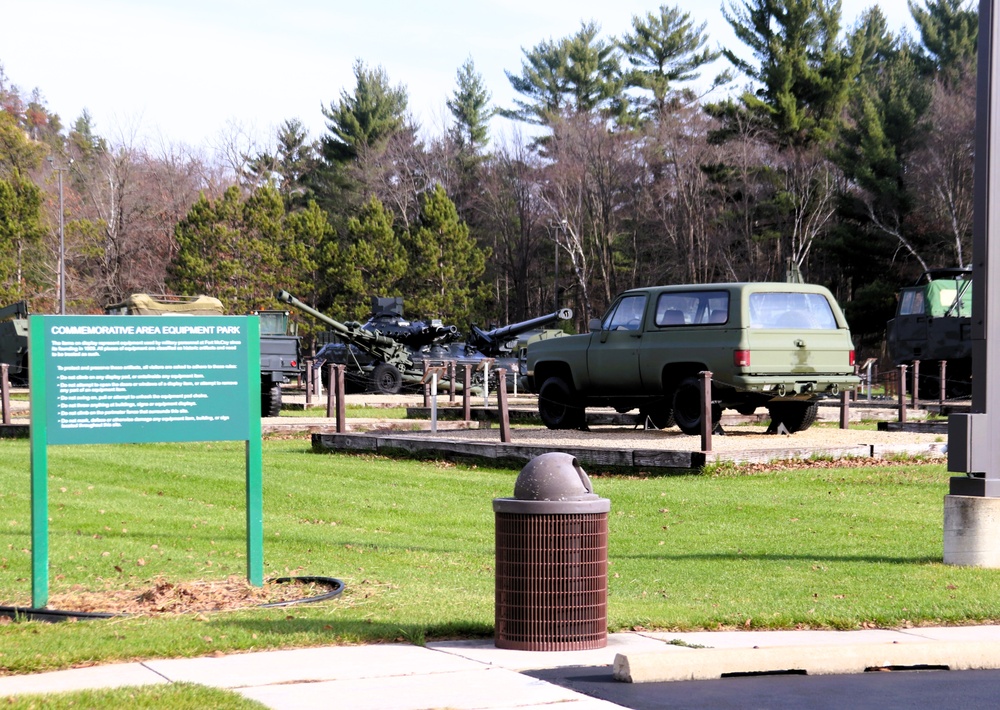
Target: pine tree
949 30
366 118
240 251
577 74
664 49
445 264
471 109
372 261
801 71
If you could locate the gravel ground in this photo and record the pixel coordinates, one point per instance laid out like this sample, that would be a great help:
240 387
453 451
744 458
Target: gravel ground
736 438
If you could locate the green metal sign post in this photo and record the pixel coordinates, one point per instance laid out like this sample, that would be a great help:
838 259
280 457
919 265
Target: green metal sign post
137 379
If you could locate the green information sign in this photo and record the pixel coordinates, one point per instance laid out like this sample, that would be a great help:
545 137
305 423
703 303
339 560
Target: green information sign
147 378
136 379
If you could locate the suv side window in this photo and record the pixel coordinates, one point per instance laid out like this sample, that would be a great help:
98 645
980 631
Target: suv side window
627 315
692 308
805 311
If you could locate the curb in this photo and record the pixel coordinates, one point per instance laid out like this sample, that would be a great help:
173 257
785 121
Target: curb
712 663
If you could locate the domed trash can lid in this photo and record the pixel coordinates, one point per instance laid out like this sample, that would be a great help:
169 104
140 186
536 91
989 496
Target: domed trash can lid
552 483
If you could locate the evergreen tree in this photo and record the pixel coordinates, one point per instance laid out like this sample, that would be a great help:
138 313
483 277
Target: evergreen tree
446 265
948 32
801 71
20 228
578 74
372 262
289 166
240 251
366 118
665 48
471 109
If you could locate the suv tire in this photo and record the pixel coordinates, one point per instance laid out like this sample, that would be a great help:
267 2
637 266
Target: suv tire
688 407
558 405
796 416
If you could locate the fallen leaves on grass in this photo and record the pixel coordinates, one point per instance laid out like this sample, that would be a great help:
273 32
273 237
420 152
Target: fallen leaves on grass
166 597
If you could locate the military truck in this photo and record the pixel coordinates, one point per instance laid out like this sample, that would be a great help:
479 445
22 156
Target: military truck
279 348
14 342
776 345
933 322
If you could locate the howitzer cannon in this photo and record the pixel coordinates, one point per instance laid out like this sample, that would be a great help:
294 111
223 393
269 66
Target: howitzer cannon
503 341
387 359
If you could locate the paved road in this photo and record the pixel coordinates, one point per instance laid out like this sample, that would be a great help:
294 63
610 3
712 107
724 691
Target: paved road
938 689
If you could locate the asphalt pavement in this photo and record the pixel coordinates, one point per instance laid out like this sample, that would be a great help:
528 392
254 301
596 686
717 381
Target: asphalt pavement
474 674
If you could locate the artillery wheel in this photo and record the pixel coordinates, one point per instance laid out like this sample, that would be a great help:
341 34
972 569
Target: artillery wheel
796 416
270 401
559 406
387 379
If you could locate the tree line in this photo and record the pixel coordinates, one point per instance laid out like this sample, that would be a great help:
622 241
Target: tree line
838 153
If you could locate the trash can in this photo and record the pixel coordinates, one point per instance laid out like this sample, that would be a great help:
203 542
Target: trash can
552 560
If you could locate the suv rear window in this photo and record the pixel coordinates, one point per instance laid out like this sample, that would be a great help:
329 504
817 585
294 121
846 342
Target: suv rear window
692 308
799 311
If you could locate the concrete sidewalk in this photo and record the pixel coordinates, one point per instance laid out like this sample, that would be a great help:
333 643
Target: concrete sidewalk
471 675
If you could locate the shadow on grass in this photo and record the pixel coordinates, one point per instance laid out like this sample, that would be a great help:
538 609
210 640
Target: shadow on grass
736 557
347 631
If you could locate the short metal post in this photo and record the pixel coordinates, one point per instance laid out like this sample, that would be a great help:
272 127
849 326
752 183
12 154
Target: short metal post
309 382
706 410
943 381
502 403
487 364
5 392
337 384
466 386
901 394
915 378
434 402
845 409
426 385
452 372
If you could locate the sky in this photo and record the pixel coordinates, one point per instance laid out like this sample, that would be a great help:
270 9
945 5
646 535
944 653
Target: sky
199 72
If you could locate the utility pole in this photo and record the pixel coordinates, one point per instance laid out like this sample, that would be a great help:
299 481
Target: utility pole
62 239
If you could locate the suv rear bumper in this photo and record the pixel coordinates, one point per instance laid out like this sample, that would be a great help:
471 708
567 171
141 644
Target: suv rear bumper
785 385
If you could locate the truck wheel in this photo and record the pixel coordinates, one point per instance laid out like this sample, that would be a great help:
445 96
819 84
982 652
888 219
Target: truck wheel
558 405
687 407
270 401
796 416
660 413
387 379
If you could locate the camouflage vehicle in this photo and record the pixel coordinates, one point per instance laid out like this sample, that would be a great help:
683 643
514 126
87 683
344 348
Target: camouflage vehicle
14 342
776 345
279 349
934 322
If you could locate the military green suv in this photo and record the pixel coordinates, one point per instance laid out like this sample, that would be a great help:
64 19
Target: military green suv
776 345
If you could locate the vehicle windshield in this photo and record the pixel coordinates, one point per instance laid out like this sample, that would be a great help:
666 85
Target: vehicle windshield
807 311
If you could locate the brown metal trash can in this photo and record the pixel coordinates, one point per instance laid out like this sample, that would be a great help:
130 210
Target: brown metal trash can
552 560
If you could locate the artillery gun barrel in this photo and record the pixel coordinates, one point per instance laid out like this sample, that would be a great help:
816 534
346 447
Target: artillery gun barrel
504 332
375 344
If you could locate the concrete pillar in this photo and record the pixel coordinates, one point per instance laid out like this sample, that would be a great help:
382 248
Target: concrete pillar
972 531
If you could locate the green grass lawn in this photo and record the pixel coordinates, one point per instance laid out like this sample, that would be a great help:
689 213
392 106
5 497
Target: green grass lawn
176 696
821 547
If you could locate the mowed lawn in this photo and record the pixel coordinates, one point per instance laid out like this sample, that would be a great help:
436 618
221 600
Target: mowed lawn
821 547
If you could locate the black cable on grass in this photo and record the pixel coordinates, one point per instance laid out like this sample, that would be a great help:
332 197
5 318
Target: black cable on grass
24 613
